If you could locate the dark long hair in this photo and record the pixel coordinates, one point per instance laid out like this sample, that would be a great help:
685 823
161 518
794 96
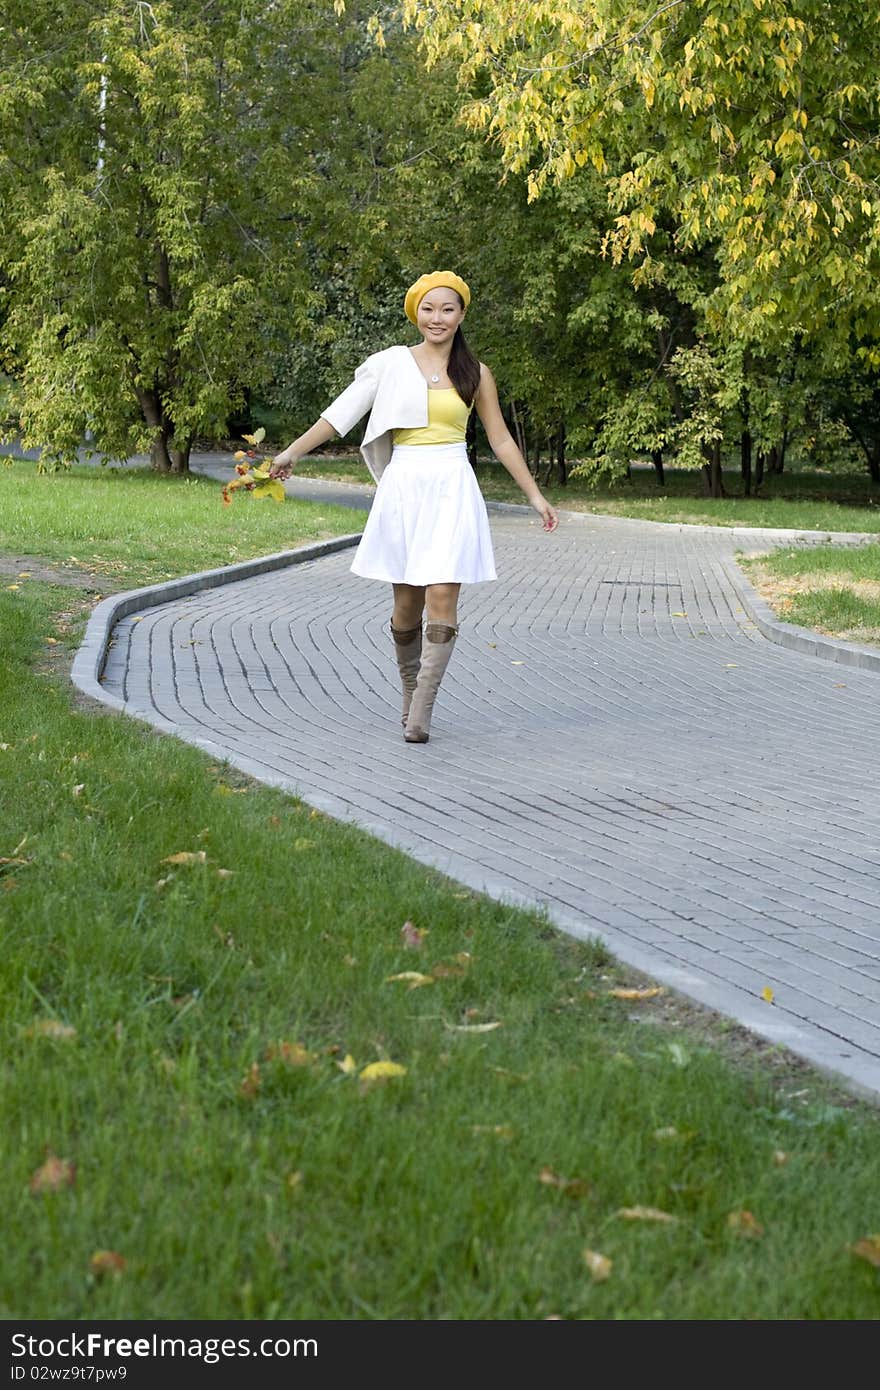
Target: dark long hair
463 368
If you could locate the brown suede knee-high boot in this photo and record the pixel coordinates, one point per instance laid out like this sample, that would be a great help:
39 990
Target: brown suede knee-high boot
439 642
408 649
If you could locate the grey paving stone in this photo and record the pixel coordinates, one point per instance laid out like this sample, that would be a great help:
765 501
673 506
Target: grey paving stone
703 799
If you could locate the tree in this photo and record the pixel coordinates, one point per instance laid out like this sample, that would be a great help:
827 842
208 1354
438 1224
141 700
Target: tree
157 174
750 123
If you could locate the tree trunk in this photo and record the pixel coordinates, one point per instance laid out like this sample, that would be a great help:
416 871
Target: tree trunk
874 460
561 465
659 474
774 462
712 477
759 470
518 430
536 462
745 449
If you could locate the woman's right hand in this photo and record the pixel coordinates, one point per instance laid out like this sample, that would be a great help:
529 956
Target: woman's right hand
282 465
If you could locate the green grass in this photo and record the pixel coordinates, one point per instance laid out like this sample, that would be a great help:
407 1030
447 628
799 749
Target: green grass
799 501
135 527
305 1193
834 589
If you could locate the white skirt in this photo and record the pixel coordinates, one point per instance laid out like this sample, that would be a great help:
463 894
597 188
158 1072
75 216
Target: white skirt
428 522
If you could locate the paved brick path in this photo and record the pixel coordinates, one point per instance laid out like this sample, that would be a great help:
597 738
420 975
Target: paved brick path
615 741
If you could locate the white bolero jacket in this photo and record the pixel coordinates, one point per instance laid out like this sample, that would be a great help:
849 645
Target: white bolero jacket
391 386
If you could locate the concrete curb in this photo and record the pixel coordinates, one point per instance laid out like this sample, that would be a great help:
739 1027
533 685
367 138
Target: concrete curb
803 639
88 664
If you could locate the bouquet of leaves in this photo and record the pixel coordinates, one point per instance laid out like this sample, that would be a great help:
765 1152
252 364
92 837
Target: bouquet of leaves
252 471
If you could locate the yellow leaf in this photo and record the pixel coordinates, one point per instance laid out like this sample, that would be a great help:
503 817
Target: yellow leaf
502 1131
780 1158
54 1174
572 1187
767 994
294 1179
414 978
272 489
107 1262
868 1248
743 1223
347 1065
645 1214
197 856
225 873
679 615
50 1028
381 1071
650 993
598 1265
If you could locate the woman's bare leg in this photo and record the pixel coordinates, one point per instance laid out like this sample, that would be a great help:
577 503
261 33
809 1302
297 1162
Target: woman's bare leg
409 601
441 601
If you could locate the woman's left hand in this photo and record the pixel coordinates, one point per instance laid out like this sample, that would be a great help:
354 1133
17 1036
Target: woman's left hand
545 511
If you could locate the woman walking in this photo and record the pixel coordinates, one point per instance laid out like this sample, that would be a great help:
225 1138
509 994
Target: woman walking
427 532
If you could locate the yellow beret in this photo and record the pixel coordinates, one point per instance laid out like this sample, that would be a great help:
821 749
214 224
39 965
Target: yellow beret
416 293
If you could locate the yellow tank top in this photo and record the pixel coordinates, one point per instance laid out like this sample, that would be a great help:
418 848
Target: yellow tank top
447 420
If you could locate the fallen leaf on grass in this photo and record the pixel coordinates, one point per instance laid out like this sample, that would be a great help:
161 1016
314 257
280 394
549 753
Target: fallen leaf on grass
294 1179
572 1187
347 1065
645 1214
670 1133
54 1174
381 1071
251 1081
500 1131
780 1158
868 1248
302 844
414 979
650 993
50 1028
184 856
413 937
225 873
444 971
743 1223
78 789
292 1054
598 1265
471 1027
107 1262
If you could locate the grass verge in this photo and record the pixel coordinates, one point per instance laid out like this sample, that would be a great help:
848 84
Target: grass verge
185 1043
831 589
809 501
134 527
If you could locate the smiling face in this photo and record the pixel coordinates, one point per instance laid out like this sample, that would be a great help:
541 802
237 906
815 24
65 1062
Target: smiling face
439 313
